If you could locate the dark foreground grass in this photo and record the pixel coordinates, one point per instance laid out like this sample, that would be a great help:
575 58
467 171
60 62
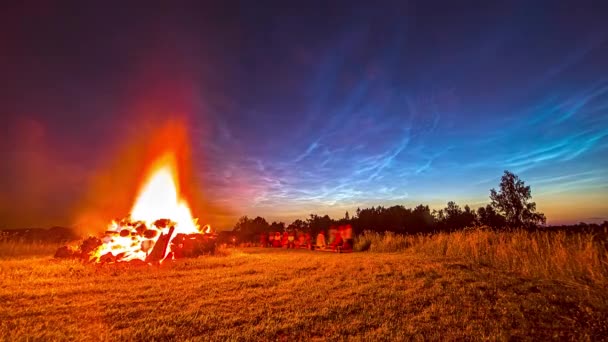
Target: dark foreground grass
259 294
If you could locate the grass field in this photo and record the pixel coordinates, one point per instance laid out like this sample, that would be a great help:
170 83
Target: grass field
266 294
13 249
580 258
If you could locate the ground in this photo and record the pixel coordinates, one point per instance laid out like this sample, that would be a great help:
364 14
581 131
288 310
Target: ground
265 294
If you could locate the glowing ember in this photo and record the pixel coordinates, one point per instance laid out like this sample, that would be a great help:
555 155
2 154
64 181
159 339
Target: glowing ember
158 215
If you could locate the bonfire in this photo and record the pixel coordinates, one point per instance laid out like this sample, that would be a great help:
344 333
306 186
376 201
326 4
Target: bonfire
160 226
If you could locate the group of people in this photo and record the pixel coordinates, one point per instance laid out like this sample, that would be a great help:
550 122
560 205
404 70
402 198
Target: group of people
338 238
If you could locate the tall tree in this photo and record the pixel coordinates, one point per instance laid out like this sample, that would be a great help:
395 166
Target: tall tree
513 202
317 223
487 216
422 220
468 218
249 229
457 218
298 225
277 226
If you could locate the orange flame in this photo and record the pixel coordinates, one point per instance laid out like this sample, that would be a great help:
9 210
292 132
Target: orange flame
158 198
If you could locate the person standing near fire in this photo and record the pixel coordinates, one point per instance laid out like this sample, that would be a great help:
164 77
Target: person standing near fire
331 235
320 240
348 237
270 239
291 240
337 241
277 240
301 240
263 240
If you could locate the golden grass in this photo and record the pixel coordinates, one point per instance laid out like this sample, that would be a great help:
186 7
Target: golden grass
17 249
579 258
269 294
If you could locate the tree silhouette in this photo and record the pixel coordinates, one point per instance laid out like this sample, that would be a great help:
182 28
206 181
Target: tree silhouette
421 220
317 223
513 202
277 227
453 217
297 225
511 207
487 216
250 229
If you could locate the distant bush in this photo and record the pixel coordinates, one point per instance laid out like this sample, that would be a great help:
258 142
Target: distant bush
39 235
582 257
364 241
382 242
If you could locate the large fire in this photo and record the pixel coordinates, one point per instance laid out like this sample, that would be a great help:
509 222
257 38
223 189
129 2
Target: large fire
160 198
159 216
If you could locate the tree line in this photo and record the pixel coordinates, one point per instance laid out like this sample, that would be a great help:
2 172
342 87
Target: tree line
510 207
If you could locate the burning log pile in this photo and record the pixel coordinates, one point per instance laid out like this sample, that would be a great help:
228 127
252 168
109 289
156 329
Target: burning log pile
192 245
84 251
142 237
135 241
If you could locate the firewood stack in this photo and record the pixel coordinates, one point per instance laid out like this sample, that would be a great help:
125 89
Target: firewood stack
150 243
192 245
83 251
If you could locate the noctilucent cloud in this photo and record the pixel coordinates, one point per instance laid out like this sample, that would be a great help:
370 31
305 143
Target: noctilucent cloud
322 110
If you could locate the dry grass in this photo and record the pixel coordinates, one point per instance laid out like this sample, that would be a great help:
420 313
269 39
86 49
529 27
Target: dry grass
577 258
265 294
17 249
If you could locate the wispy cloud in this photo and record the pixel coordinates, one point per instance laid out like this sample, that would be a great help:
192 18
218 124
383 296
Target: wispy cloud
369 133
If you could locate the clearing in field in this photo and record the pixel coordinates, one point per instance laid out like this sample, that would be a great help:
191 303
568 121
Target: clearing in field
265 294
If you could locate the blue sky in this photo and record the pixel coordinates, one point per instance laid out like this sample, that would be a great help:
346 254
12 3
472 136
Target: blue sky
299 110
384 111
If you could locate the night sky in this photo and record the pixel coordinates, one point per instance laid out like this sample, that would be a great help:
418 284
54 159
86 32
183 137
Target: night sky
306 109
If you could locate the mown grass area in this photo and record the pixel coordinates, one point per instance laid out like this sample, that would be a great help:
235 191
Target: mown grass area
267 294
